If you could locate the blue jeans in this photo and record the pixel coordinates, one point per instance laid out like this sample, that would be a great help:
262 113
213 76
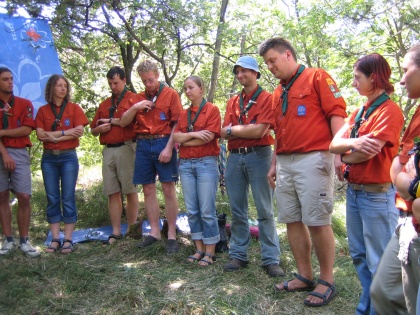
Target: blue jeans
62 168
371 220
199 179
243 170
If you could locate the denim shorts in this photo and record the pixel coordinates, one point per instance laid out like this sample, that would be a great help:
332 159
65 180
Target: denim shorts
147 165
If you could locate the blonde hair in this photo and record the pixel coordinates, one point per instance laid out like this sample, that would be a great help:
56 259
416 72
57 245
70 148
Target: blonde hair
199 81
146 66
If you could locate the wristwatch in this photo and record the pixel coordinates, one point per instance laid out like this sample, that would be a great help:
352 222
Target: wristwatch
229 131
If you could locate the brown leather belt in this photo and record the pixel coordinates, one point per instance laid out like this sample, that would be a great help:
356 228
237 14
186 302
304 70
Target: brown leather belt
371 188
246 150
150 137
119 144
58 152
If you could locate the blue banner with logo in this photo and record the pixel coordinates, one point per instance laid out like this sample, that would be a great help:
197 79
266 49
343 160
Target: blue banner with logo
27 49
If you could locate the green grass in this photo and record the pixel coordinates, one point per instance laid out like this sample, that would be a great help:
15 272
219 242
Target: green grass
122 279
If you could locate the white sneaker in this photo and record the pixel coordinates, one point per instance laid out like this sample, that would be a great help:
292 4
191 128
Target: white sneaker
29 250
7 247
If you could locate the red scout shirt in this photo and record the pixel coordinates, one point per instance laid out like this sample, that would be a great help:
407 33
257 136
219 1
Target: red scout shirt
385 123
208 119
20 114
116 134
72 117
260 113
159 120
312 100
407 143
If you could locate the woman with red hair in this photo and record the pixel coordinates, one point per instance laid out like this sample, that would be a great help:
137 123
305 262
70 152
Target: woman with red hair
367 144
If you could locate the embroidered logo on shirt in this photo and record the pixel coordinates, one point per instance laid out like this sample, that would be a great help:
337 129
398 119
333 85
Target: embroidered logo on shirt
253 121
18 122
162 116
67 122
301 110
337 94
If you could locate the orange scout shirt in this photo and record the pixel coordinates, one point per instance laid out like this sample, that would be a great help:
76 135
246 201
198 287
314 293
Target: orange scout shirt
159 120
20 114
72 117
260 113
208 119
407 143
385 123
116 134
312 100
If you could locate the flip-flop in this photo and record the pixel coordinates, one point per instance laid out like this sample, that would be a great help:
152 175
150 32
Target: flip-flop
310 285
332 291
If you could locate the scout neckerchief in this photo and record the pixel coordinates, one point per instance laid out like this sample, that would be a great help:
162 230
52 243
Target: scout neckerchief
244 112
114 106
5 109
287 87
154 99
191 123
358 121
57 117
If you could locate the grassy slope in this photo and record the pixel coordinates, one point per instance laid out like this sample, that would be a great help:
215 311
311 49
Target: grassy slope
122 279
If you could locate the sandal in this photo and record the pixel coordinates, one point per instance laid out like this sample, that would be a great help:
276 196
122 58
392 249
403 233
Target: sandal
326 297
205 262
193 258
114 237
53 249
310 285
69 247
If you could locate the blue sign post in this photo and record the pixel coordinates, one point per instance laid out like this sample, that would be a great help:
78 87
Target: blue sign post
28 50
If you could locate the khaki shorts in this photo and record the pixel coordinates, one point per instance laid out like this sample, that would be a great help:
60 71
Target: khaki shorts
18 181
305 187
118 169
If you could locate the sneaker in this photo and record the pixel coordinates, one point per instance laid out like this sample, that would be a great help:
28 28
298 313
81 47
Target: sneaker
7 247
29 250
273 270
235 264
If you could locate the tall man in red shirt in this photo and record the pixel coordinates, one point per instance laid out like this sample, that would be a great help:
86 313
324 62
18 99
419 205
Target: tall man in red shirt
119 151
309 110
246 126
16 124
155 116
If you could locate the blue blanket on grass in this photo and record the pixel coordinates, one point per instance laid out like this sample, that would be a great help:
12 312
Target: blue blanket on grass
102 233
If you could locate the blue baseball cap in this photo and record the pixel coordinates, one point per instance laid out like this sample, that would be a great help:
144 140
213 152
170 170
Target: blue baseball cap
247 62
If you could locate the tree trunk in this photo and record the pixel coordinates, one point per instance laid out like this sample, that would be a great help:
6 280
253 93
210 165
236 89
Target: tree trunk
218 45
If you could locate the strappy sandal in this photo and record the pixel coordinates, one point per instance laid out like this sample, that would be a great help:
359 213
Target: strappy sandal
205 262
326 297
52 249
310 285
69 247
112 236
191 259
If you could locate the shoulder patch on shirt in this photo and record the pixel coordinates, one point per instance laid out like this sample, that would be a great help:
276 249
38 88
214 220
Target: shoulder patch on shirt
67 122
301 110
329 81
337 94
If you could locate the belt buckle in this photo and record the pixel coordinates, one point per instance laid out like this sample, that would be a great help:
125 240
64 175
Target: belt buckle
56 152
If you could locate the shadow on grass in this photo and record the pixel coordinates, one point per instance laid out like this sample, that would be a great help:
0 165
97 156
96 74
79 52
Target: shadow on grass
123 279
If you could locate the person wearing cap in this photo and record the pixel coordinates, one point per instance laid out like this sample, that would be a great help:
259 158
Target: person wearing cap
155 116
246 126
118 153
309 110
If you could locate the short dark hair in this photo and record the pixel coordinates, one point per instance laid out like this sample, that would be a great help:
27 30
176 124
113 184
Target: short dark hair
4 69
378 66
415 54
277 43
116 70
